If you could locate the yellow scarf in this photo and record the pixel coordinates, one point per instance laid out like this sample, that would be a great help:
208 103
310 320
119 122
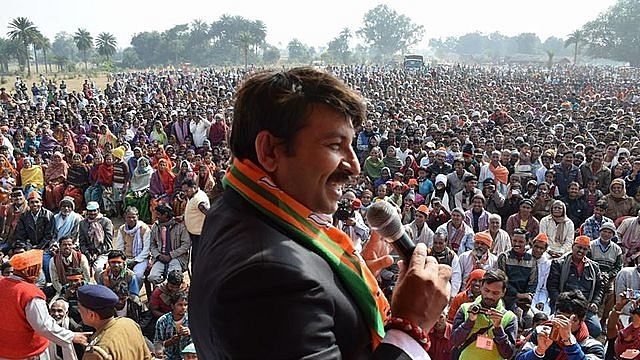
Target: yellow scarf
32 176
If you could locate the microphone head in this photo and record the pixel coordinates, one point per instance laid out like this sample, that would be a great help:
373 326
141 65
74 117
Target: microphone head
383 217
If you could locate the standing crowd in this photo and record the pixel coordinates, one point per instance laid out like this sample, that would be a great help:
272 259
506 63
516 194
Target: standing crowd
523 180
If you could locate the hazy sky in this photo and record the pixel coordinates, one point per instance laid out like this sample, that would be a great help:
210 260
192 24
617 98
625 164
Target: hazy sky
312 22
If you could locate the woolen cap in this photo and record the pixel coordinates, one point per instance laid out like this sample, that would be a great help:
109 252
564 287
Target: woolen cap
189 349
608 226
68 200
93 205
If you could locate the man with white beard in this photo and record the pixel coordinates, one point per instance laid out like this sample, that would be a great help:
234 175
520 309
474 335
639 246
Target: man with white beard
59 311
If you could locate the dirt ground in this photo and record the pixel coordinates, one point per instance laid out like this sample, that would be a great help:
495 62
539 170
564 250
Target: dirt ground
74 81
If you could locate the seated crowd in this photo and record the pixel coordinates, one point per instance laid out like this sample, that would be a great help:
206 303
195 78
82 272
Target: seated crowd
531 196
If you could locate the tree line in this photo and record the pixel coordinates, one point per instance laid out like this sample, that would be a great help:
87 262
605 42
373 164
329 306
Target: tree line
24 36
235 40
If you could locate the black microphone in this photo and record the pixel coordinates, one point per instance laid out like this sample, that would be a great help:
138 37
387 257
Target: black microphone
383 217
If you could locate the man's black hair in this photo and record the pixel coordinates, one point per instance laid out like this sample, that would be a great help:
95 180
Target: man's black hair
494 276
540 317
19 245
179 296
175 277
116 254
164 209
4 266
73 271
572 302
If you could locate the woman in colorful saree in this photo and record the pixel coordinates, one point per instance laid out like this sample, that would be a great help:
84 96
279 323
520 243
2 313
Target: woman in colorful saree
103 179
138 195
77 181
55 178
161 154
179 203
161 186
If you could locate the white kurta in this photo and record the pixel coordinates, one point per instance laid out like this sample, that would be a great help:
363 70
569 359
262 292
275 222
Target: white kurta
542 295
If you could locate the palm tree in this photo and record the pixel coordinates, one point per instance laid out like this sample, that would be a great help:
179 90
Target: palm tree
36 42
5 55
84 42
550 55
106 44
575 38
45 45
13 49
22 29
246 39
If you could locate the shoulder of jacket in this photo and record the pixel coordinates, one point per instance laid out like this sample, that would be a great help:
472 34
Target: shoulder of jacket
97 352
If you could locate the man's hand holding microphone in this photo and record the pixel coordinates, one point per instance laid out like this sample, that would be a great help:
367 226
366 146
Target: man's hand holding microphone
423 287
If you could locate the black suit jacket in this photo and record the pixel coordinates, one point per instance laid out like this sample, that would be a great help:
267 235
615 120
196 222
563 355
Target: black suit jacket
257 294
36 232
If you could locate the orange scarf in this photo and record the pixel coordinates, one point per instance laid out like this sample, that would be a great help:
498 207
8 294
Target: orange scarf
166 177
500 173
321 237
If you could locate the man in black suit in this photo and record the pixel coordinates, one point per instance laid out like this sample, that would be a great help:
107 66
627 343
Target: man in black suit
274 279
36 226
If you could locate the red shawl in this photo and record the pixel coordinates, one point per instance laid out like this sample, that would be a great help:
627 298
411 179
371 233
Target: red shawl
105 174
57 169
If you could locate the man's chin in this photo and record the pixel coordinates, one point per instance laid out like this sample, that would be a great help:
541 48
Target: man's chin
488 305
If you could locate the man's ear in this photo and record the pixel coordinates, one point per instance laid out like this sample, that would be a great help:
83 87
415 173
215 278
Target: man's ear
268 150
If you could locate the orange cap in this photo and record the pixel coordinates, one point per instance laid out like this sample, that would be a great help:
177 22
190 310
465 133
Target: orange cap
34 194
26 259
582 240
483 237
423 209
542 237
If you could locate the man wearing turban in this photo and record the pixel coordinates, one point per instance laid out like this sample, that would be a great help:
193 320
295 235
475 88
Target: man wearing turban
27 326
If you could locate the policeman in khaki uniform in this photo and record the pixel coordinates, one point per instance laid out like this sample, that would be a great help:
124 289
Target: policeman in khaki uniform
115 338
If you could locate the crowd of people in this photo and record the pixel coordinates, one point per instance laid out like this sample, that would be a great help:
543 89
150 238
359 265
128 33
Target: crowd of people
523 180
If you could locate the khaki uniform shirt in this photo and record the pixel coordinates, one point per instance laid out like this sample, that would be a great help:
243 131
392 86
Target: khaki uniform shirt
120 339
